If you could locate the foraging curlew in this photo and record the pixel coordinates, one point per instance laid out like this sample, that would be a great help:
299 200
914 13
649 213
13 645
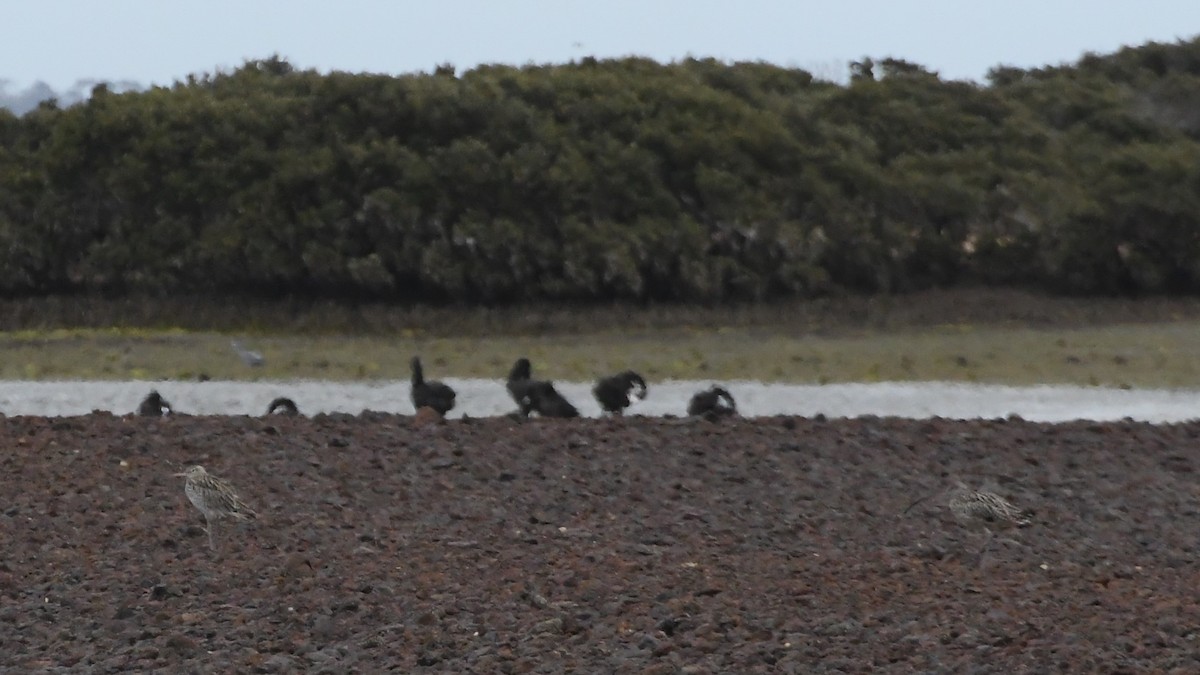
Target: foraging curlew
614 393
986 510
980 507
436 395
712 403
215 498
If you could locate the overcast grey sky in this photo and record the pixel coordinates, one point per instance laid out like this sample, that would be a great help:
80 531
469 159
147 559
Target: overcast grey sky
160 41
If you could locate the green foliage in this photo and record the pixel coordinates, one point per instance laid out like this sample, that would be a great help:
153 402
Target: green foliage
622 179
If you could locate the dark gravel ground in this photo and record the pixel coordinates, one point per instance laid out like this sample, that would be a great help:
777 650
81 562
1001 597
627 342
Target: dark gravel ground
770 545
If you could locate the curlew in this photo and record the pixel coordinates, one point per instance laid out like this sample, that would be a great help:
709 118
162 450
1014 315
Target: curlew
214 498
982 510
985 509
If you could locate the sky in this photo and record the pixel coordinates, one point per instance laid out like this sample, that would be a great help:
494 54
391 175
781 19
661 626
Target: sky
62 42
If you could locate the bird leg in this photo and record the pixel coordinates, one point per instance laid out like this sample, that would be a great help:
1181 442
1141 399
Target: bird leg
208 528
987 541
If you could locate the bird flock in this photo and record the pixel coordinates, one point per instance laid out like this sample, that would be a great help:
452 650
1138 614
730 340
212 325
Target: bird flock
216 499
533 396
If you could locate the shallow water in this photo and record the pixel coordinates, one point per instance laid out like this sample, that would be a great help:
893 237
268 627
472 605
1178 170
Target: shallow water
479 398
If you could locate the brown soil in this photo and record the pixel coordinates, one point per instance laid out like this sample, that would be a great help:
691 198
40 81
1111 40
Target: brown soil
601 546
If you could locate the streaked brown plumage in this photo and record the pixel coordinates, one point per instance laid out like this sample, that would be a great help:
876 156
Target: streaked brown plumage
214 498
985 508
987 511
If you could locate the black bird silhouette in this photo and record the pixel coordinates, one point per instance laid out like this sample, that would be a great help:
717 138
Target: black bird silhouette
283 406
519 379
538 396
154 405
614 392
545 400
436 395
713 402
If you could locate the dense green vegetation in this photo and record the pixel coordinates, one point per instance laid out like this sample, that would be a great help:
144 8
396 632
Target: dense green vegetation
612 180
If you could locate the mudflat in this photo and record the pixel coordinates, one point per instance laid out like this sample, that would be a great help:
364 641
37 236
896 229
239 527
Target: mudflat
636 545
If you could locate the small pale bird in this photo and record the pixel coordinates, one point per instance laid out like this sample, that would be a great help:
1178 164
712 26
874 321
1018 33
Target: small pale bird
215 498
248 356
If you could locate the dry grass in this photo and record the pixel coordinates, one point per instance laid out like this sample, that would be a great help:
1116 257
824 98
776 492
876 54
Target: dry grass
1131 355
982 335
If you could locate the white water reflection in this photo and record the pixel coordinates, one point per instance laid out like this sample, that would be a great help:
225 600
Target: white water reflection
479 398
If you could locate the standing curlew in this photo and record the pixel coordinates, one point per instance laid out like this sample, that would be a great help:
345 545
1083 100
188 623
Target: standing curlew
215 498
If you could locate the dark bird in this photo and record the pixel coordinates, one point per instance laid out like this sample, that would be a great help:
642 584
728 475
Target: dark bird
436 395
712 402
614 393
519 379
545 400
538 396
154 405
284 406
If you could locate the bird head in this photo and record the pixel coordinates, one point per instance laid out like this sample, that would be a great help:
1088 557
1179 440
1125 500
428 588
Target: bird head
521 370
193 472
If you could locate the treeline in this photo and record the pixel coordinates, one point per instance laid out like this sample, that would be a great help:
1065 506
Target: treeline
613 180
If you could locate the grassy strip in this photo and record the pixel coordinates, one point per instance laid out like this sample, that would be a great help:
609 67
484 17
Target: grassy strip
1165 354
973 335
